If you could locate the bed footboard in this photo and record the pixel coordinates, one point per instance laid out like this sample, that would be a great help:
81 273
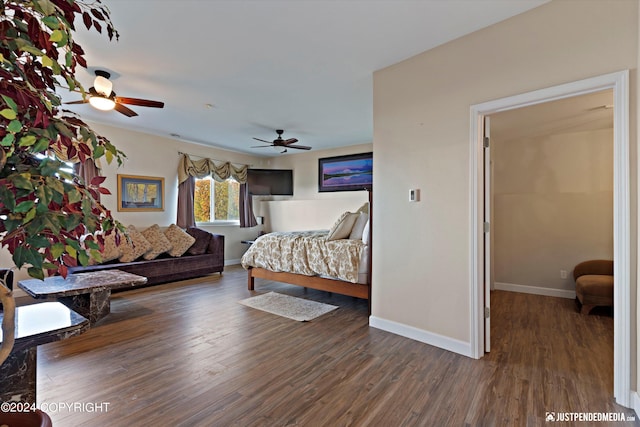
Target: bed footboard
356 290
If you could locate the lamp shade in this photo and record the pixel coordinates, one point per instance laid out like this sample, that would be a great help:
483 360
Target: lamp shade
103 86
102 103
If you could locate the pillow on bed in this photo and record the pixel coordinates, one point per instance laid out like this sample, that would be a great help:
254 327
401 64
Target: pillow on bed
365 234
343 226
358 226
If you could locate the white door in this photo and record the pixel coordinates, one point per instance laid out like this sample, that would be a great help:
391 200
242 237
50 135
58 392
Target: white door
487 234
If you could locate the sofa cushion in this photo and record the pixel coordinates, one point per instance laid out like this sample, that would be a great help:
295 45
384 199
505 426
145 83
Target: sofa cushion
110 251
202 240
159 242
180 240
136 247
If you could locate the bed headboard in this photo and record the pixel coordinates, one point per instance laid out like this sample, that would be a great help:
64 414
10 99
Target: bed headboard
315 214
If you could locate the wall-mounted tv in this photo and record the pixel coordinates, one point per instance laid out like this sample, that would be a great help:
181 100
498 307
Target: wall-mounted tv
270 182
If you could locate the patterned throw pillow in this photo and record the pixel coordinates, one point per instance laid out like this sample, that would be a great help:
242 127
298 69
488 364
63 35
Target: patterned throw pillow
180 240
134 249
110 251
342 228
159 243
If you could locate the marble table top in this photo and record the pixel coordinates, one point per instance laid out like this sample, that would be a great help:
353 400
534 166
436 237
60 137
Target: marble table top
45 322
80 283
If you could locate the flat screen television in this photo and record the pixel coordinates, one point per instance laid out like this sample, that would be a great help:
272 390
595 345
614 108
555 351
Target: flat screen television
270 182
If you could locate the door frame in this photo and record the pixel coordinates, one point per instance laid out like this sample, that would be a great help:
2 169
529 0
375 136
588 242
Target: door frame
619 83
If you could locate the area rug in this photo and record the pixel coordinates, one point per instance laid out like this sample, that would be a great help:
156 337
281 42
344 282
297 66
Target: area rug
302 310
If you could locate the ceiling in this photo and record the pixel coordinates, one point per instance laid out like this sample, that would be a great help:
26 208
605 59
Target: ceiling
229 71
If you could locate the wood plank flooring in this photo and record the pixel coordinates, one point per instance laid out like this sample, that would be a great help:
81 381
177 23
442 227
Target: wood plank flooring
187 354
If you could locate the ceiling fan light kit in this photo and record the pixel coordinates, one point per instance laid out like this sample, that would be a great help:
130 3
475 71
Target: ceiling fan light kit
101 103
102 97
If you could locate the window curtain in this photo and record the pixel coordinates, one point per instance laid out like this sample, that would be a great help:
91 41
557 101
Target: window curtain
87 170
189 169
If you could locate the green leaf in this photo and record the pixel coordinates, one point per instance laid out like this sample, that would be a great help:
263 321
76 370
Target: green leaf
14 126
46 61
10 102
51 22
56 36
24 207
23 181
46 6
57 250
29 216
36 273
109 156
8 140
74 196
27 141
41 146
38 241
24 255
71 251
83 258
8 113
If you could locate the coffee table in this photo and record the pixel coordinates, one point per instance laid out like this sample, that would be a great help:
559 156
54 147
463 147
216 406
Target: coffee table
36 324
88 294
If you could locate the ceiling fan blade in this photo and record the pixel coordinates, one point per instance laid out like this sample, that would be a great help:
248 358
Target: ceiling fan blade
82 101
262 146
290 141
299 147
140 102
124 110
262 140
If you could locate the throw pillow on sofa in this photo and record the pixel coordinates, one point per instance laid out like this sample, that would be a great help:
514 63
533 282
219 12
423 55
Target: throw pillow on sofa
136 247
180 239
159 242
110 251
202 241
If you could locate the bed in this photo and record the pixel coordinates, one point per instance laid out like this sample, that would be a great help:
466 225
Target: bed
336 260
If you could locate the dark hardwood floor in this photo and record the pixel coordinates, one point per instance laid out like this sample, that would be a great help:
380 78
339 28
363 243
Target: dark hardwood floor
187 354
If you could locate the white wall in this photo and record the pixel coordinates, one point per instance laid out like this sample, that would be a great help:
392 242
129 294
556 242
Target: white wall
421 140
308 209
553 206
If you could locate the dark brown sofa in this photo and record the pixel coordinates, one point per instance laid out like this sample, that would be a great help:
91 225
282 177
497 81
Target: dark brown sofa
206 256
594 284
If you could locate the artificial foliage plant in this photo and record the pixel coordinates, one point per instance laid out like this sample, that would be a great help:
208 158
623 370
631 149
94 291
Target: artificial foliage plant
49 217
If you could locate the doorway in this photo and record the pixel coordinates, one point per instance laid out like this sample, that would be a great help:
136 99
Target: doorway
618 83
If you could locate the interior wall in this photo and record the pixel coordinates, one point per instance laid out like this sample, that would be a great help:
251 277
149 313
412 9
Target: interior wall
308 209
151 155
421 140
553 207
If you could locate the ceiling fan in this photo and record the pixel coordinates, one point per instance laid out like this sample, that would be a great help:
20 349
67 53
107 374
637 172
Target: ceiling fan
104 98
279 142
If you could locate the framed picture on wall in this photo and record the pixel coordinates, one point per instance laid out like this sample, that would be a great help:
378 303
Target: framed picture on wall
140 193
345 173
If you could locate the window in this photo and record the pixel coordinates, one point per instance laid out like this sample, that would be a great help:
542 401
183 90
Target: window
220 205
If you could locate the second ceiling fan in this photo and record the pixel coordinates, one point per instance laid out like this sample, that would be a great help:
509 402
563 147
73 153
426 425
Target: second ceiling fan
280 142
102 97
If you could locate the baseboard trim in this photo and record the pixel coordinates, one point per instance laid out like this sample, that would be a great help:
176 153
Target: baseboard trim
536 290
231 262
436 340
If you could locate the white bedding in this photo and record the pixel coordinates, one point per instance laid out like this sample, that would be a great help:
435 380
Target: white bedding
309 253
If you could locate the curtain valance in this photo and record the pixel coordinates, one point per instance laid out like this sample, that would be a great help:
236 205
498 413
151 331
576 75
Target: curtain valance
204 167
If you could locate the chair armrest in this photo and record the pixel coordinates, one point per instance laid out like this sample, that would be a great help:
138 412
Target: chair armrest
596 266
